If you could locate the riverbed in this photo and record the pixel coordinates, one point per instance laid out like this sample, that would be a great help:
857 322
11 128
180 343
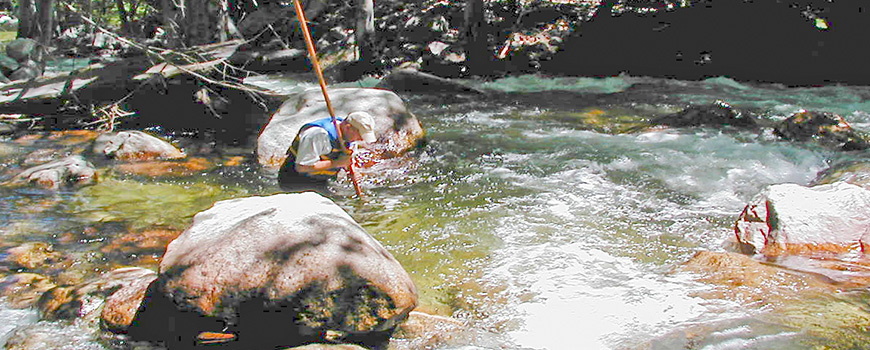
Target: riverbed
543 216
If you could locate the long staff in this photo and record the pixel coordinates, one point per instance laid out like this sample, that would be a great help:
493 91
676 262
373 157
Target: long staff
310 44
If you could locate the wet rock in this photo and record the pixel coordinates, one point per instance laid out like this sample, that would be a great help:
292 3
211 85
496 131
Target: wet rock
42 156
23 290
73 137
69 171
853 172
32 256
53 336
6 128
425 331
714 115
397 129
8 64
283 269
321 346
134 145
121 306
827 129
187 167
112 298
412 80
22 49
147 245
741 278
793 219
29 69
59 303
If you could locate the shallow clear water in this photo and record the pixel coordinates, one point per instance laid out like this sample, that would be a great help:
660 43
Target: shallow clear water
527 214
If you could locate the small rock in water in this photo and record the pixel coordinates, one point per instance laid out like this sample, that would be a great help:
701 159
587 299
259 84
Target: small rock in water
135 145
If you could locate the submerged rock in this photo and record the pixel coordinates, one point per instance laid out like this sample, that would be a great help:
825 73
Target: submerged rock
397 129
69 171
112 298
23 290
853 172
790 219
715 114
135 145
188 167
748 280
827 129
279 270
31 256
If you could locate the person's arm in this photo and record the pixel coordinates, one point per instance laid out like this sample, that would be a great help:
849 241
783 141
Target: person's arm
342 162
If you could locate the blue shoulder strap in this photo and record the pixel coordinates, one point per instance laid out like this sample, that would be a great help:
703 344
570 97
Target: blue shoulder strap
327 124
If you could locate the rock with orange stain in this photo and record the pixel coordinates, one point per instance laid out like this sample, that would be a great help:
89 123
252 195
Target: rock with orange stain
134 145
744 279
397 129
234 161
69 171
73 137
296 260
828 129
121 306
32 256
187 167
793 219
23 290
142 242
113 297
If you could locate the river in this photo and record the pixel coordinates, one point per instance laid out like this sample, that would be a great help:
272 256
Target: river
531 215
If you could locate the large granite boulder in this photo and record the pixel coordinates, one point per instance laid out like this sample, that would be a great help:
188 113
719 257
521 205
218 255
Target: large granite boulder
69 171
827 129
790 219
134 145
280 270
396 128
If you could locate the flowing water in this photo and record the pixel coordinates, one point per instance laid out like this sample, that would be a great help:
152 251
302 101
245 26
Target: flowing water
531 215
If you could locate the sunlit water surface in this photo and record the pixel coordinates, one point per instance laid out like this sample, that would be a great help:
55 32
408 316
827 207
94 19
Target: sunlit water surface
526 215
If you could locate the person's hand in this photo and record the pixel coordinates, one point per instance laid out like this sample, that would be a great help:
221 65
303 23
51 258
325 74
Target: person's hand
343 161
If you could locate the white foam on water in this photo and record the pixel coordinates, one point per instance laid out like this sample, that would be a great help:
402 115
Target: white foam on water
13 318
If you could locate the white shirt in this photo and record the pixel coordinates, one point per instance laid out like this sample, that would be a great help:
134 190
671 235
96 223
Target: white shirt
313 143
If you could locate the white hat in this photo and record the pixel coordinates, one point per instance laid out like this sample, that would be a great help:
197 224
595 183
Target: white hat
364 123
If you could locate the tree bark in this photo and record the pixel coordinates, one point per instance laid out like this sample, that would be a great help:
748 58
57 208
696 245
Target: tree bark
45 11
365 29
476 43
124 17
26 18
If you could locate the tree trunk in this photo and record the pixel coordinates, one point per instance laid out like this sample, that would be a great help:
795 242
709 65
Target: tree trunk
171 20
197 25
45 11
365 29
227 30
476 43
124 17
26 18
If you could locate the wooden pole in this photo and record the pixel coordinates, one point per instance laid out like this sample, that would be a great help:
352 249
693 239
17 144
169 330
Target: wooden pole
300 14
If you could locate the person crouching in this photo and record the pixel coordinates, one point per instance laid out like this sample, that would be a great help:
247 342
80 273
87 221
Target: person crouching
316 154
